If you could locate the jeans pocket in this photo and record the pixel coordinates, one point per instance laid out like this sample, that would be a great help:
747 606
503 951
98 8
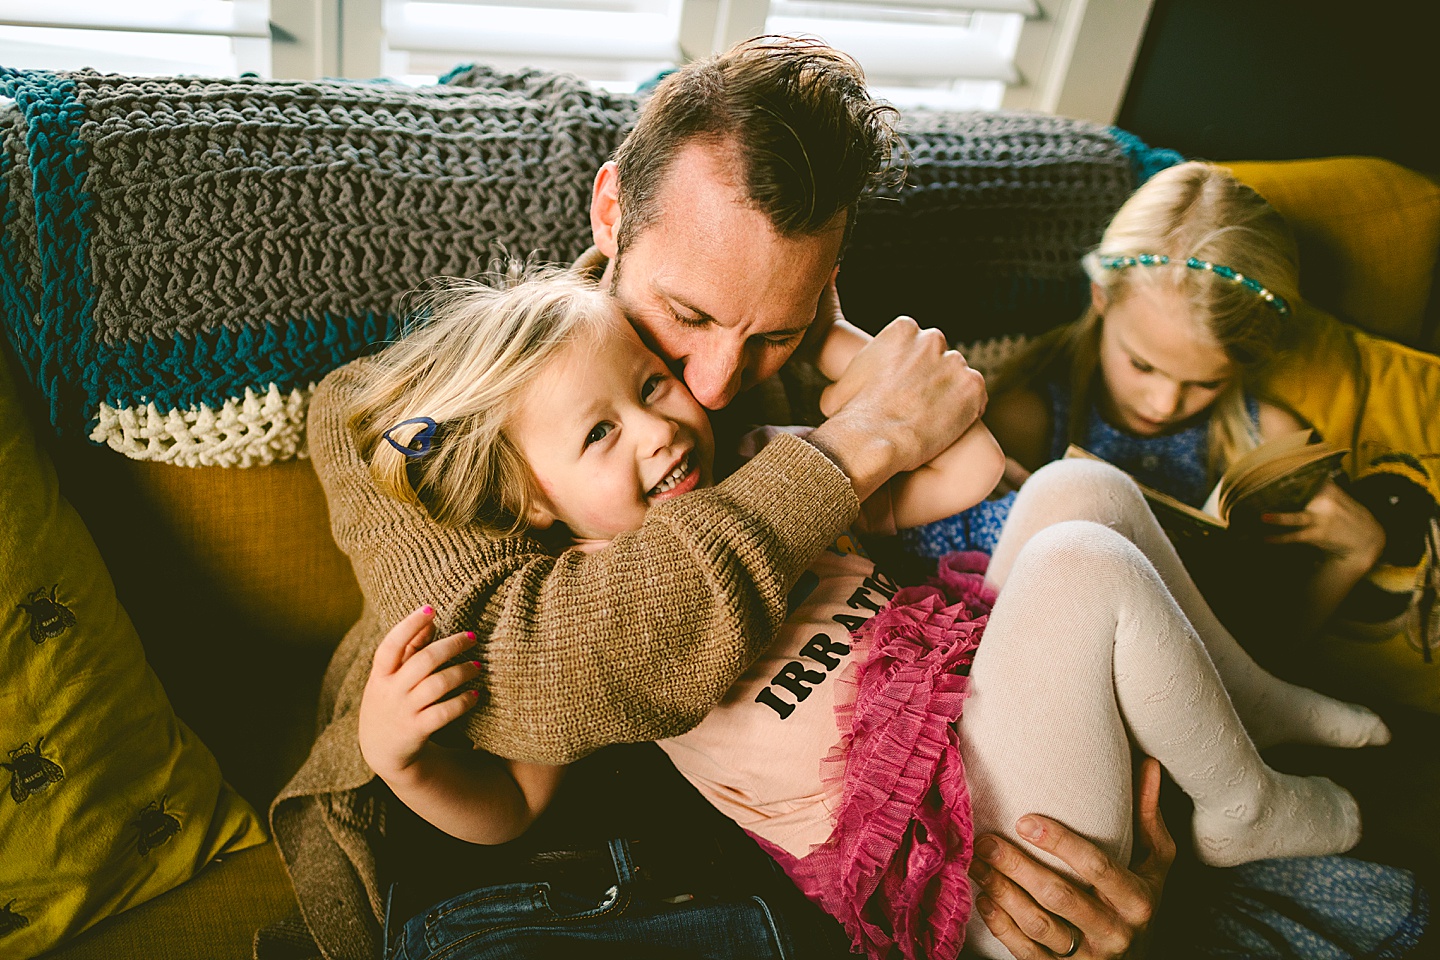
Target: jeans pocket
488 907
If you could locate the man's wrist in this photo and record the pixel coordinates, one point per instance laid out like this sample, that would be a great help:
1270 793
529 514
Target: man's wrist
868 458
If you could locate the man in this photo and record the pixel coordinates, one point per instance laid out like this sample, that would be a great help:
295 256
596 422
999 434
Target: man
721 265
718 228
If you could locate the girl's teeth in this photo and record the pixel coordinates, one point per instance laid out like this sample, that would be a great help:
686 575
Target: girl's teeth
675 477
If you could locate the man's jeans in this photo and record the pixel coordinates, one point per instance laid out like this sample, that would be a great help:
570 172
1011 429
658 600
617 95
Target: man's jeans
625 922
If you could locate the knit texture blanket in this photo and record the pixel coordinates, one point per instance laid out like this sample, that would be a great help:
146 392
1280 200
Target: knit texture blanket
182 259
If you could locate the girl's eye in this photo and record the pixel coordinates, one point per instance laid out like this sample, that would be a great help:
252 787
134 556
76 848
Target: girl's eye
1140 365
651 385
597 433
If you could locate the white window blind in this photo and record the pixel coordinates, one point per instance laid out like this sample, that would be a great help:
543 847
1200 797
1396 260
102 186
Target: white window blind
939 53
1064 56
214 37
617 43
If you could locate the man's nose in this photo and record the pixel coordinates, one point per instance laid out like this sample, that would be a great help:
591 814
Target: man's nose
714 377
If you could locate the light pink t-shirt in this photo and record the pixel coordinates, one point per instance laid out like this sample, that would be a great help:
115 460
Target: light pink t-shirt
757 756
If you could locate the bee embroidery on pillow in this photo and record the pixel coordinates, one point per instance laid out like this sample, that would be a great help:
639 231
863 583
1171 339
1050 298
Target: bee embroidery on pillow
156 827
33 771
48 616
10 921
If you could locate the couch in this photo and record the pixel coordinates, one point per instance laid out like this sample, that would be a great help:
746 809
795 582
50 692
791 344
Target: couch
229 572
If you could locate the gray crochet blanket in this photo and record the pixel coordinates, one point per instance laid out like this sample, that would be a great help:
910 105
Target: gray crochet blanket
182 259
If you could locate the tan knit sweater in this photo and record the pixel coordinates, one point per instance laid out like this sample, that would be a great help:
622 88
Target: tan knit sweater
635 642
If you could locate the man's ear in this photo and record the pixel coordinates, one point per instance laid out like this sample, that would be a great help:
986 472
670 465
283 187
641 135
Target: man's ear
605 210
1097 298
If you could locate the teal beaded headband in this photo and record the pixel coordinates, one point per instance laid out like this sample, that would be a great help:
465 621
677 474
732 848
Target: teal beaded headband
1195 263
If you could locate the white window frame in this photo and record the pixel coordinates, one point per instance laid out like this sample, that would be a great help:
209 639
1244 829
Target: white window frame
1074 57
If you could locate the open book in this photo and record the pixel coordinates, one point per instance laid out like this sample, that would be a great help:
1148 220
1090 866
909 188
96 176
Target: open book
1279 476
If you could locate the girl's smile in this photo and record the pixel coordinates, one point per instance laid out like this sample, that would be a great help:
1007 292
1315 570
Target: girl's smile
608 431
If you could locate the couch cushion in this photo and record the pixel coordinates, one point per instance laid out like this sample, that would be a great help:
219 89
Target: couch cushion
111 799
213 916
238 590
1368 231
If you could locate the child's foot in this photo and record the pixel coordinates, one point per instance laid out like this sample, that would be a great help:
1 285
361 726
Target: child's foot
1293 817
1293 714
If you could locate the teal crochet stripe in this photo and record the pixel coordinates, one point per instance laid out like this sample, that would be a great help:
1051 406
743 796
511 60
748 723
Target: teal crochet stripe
63 212
183 373
1145 160
15 282
179 373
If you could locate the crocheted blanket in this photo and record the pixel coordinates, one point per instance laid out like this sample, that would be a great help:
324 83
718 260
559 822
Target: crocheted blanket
182 259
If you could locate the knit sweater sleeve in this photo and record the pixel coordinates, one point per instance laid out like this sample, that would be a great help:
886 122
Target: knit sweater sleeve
634 642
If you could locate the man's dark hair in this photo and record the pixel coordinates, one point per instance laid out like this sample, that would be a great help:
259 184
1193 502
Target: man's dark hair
808 138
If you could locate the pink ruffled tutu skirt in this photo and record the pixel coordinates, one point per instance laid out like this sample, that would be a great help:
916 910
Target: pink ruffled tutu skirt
894 868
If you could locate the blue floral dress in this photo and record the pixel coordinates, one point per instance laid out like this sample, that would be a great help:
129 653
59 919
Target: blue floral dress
1176 463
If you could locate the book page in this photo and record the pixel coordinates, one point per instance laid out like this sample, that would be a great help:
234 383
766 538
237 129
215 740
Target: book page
1286 493
1301 465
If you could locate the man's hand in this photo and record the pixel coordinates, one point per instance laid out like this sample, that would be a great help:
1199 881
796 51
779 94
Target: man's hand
408 696
903 399
1038 913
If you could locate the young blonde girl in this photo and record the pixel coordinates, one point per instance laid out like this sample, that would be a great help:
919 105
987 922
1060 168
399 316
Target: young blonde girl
1193 287
536 408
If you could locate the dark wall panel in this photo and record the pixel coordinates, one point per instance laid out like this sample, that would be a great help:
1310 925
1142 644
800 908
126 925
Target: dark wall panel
1286 79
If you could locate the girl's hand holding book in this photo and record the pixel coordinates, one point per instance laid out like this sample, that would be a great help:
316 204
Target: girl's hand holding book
1336 523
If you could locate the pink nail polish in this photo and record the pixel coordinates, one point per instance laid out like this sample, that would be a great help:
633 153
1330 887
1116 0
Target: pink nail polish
470 634
428 610
476 664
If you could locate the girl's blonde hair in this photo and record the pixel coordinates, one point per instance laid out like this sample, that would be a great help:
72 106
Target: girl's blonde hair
465 368
1191 210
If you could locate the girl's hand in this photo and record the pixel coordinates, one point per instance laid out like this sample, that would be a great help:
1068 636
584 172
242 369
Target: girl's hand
1336 523
408 696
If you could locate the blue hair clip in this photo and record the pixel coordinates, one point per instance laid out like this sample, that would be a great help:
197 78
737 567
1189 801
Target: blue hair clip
423 439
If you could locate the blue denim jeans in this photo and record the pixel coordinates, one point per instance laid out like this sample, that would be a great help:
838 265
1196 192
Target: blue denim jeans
1308 908
625 922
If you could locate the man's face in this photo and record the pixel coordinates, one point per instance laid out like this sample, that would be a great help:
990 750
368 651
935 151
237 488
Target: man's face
710 286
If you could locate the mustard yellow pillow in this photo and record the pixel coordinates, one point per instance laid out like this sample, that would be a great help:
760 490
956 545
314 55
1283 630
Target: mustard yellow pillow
1368 231
1382 399
106 798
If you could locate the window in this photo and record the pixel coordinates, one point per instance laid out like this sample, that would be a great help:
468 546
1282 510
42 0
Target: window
1060 56
225 37
935 53
618 43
